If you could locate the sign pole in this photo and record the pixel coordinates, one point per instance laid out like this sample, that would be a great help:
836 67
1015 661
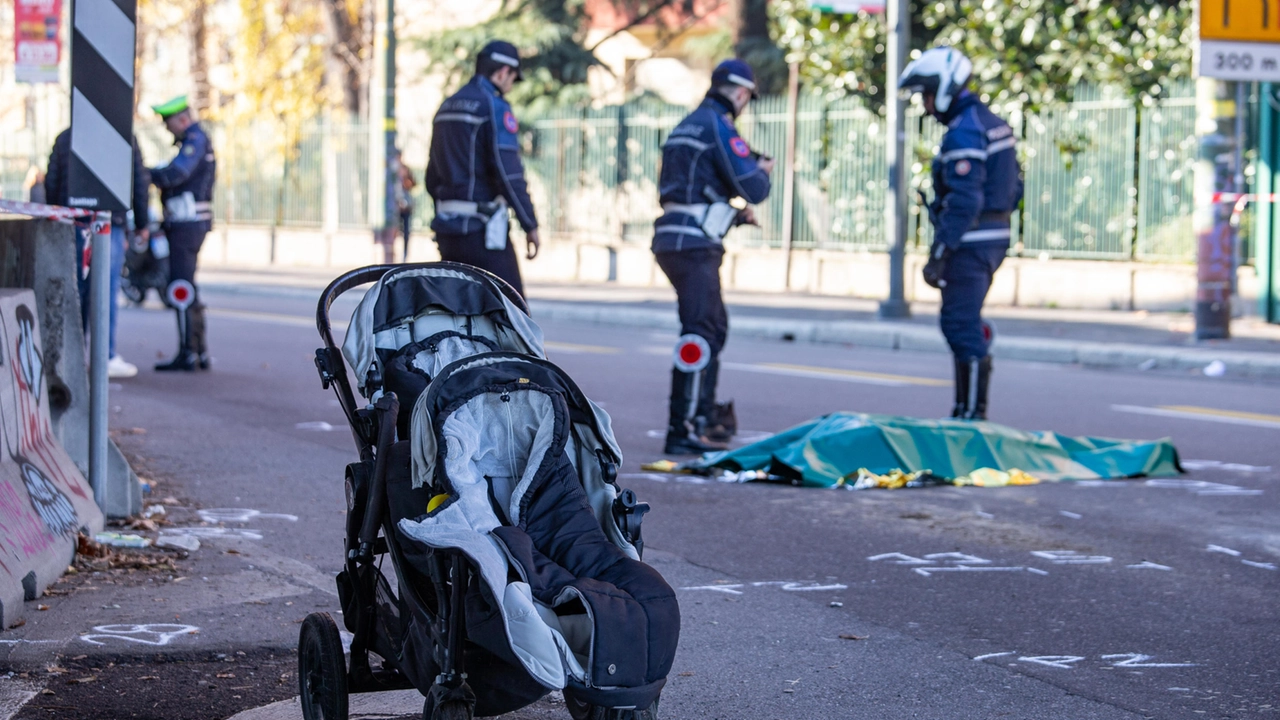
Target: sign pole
895 211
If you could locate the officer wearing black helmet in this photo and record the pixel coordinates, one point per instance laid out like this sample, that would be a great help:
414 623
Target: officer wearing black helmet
474 173
186 190
978 184
705 164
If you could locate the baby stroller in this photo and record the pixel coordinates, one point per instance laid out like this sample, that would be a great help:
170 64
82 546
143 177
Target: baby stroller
488 478
146 267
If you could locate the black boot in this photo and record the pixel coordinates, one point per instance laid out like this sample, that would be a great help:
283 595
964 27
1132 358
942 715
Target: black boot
982 382
684 428
186 360
964 374
722 426
198 337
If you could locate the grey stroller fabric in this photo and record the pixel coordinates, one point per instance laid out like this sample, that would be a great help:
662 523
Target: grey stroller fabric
584 612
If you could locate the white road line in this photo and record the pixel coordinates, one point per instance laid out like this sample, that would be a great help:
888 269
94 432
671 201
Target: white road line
1205 417
14 694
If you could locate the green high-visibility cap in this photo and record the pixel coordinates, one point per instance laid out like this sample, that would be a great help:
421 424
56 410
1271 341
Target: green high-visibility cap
171 108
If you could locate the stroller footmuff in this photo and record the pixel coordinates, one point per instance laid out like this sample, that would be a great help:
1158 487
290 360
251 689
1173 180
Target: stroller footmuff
489 479
577 608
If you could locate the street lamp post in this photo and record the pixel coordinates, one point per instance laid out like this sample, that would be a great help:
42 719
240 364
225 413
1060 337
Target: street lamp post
895 211
392 157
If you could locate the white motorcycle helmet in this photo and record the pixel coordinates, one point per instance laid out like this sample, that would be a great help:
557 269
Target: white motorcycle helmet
941 72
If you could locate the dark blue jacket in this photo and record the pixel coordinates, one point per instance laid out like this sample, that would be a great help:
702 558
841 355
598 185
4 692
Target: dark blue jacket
56 181
704 160
475 157
976 176
191 170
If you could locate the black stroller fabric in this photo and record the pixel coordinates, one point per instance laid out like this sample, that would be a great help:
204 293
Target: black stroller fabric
611 620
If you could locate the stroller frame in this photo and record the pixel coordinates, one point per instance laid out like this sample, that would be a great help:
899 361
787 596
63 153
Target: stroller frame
373 428
378 620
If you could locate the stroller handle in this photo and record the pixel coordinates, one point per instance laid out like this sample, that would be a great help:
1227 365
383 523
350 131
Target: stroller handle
374 273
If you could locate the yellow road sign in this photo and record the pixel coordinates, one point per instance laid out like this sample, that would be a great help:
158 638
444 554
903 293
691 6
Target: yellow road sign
1240 20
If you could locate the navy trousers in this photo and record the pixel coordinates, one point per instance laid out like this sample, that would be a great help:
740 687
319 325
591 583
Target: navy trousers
968 274
695 275
470 249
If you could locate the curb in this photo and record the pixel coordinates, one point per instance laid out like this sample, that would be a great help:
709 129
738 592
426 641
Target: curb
914 338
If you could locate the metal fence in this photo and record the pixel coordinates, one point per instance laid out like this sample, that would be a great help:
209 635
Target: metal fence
1104 179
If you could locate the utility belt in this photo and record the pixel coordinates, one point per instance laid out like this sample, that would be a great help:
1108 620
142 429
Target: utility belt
185 208
989 234
492 214
714 219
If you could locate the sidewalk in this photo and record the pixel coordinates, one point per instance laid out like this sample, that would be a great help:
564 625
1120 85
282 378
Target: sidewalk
1094 338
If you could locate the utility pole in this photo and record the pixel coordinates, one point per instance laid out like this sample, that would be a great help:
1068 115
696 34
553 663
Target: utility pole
391 219
895 211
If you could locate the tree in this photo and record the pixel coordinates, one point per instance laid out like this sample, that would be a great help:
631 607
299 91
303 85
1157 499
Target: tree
1031 51
350 52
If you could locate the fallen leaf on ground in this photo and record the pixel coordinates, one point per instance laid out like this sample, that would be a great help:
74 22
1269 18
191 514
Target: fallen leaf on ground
42 607
848 636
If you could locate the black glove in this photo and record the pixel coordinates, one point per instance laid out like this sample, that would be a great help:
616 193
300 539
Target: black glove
937 265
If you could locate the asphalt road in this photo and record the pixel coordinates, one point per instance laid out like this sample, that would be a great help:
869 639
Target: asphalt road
1074 600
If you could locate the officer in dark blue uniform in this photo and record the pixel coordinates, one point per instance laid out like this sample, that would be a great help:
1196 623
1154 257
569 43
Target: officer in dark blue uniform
186 190
705 164
474 173
978 183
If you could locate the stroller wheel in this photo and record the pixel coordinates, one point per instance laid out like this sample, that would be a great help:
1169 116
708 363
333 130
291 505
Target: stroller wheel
322 669
455 710
579 710
133 293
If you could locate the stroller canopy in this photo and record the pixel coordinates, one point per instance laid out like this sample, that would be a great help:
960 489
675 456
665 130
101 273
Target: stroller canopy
415 303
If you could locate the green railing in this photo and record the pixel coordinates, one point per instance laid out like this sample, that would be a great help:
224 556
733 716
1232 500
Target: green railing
1099 183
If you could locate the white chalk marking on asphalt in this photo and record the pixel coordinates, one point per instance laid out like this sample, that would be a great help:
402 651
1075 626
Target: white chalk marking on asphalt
240 515
1098 483
574 348
803 586
155 634
957 558
1200 487
1223 550
1219 465
1148 565
314 425
984 515
1069 514
15 693
1188 412
1140 660
898 559
1070 557
838 374
212 532
988 656
1057 661
23 641
747 437
1263 565
727 589
927 571
1037 571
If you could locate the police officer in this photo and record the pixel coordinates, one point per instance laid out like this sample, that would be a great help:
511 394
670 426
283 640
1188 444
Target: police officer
705 164
977 184
474 173
186 190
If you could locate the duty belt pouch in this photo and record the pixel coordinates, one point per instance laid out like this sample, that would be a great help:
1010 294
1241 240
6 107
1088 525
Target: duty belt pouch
718 220
495 226
181 208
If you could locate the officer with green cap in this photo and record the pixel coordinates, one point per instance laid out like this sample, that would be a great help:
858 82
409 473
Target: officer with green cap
186 190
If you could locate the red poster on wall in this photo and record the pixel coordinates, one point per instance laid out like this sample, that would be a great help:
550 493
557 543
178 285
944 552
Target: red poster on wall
36 44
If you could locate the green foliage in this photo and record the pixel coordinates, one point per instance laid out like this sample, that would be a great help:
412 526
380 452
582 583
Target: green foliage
549 36
1030 51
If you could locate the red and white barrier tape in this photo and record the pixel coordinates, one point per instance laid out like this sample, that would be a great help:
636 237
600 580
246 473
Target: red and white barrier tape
51 212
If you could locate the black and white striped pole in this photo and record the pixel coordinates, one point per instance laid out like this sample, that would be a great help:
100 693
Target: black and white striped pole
101 177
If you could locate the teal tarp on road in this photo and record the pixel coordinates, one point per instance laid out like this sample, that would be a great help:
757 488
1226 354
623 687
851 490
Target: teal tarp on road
823 451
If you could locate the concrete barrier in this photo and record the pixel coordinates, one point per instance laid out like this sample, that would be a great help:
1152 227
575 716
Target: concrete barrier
44 498
41 255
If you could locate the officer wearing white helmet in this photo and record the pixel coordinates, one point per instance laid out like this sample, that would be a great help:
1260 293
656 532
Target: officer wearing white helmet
977 184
